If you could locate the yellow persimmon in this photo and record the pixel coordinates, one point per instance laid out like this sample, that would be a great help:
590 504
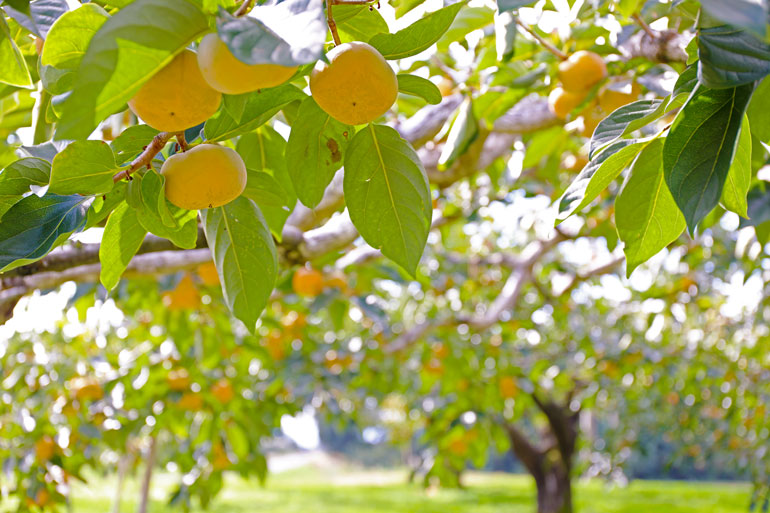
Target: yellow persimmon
45 448
184 297
307 282
178 380
225 73
205 176
581 71
563 102
86 388
611 99
177 97
208 274
223 391
356 86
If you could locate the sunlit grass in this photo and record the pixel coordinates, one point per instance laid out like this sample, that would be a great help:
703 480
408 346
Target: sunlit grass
371 491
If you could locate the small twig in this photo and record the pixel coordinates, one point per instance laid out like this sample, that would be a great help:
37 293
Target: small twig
545 44
145 159
244 8
330 21
644 25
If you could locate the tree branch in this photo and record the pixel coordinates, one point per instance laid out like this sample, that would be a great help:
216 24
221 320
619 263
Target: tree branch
145 158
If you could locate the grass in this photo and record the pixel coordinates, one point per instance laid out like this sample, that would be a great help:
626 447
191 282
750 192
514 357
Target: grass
371 491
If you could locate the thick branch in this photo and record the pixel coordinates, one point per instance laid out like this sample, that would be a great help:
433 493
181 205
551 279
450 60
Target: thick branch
529 455
665 46
563 423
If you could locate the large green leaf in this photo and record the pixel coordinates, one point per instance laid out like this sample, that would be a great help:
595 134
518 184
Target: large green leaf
131 46
597 175
268 184
17 178
468 20
417 37
84 167
161 218
40 16
617 124
34 226
418 86
122 237
260 106
363 26
289 33
315 150
67 43
511 5
245 257
387 193
730 57
13 67
131 142
739 177
758 109
700 147
747 14
646 215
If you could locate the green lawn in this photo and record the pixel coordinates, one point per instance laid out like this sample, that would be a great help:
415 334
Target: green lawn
371 491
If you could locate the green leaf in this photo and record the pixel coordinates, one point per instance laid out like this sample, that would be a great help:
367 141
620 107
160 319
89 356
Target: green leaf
758 109
315 150
289 33
268 184
106 203
629 7
646 215
730 57
617 124
131 47
34 226
163 219
17 178
597 175
417 37
759 208
130 143
260 107
387 193
245 257
468 20
122 237
464 130
510 5
418 86
739 177
67 43
39 16
13 67
747 14
363 26
700 147
84 167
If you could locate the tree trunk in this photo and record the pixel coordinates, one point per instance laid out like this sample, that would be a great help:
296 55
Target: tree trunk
144 494
549 460
554 491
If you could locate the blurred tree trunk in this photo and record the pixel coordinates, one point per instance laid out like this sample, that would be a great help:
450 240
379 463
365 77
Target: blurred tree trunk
549 463
144 494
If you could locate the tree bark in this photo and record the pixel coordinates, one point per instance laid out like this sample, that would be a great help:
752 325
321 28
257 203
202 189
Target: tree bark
144 494
549 463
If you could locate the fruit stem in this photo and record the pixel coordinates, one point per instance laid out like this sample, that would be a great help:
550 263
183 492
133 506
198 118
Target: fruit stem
330 21
182 141
145 158
644 25
244 8
545 44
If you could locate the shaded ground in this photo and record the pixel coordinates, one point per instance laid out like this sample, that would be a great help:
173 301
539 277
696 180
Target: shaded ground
372 491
